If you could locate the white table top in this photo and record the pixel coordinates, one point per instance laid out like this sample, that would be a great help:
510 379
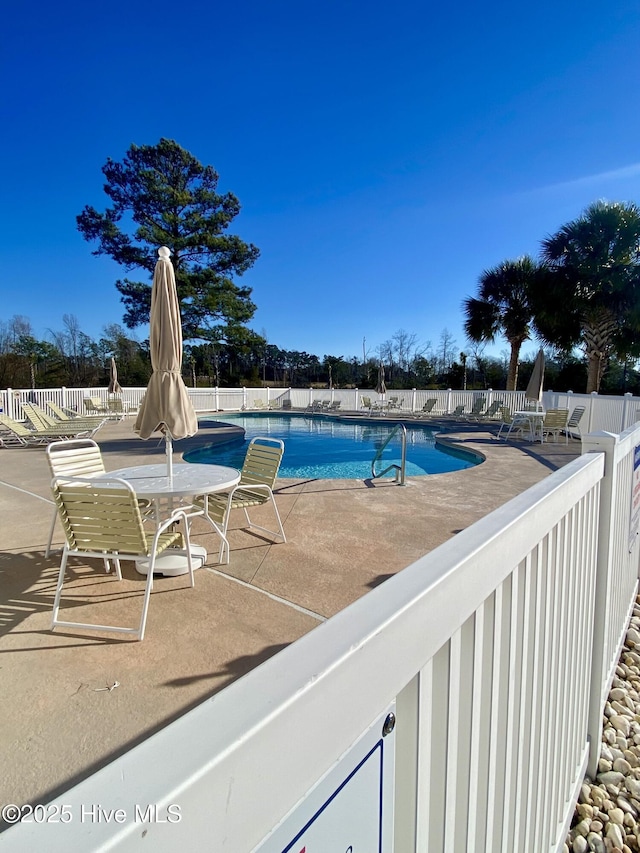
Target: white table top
151 481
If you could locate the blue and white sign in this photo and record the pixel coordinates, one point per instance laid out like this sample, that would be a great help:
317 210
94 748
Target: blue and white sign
634 524
350 810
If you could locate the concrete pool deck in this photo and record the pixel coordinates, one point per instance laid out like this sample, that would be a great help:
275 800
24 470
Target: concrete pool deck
344 538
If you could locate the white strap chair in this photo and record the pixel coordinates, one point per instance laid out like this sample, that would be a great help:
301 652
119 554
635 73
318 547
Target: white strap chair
102 520
257 478
78 457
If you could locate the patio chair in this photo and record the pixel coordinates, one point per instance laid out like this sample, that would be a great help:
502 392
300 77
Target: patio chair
81 457
395 403
116 409
102 520
95 406
515 423
333 407
366 403
555 421
257 478
78 457
574 421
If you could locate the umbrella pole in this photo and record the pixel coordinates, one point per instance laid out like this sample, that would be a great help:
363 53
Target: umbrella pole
168 446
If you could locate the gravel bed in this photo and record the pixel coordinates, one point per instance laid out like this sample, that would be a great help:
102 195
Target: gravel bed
607 815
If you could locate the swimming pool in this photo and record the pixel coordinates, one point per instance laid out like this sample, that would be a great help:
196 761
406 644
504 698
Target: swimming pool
321 447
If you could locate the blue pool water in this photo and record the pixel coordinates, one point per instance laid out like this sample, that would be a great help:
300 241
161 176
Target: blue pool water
324 448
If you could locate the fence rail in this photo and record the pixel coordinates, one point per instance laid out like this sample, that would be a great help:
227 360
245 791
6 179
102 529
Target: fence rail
497 649
613 414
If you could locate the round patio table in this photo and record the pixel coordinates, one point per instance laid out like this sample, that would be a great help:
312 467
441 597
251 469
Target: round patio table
153 482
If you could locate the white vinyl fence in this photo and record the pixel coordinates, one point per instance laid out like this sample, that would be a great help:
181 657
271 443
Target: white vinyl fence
494 652
610 413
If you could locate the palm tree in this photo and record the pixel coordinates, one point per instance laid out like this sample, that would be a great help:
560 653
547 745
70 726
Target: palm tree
503 307
592 295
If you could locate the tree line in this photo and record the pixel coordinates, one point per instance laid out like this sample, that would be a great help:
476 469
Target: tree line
72 358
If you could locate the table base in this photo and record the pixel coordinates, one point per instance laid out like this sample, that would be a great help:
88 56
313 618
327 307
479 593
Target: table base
174 563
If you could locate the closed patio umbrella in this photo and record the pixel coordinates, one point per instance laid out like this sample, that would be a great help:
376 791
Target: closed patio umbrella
114 385
381 388
166 406
534 388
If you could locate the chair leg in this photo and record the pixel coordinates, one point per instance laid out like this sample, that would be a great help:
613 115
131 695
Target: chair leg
266 529
58 595
221 531
147 594
53 524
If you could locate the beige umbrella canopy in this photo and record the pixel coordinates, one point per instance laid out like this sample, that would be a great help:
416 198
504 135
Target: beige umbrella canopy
114 385
166 406
534 388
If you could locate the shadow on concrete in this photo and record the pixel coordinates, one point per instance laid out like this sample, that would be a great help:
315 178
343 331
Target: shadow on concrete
232 669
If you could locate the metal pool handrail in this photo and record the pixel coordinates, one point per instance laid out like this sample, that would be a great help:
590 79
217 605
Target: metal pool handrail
399 469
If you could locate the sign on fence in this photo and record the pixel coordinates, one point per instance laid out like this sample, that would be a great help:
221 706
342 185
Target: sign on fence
350 810
634 524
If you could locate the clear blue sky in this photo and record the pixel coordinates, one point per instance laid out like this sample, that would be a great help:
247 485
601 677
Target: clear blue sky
384 154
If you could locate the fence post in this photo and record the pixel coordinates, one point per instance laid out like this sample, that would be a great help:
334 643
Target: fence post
413 399
9 398
602 669
590 419
448 409
625 407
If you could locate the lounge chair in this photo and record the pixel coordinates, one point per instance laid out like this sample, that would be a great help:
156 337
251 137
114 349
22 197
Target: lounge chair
333 407
427 409
102 520
42 421
492 412
63 414
258 404
458 412
17 434
257 478
476 409
395 403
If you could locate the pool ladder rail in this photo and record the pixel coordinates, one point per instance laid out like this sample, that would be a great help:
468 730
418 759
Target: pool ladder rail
399 469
